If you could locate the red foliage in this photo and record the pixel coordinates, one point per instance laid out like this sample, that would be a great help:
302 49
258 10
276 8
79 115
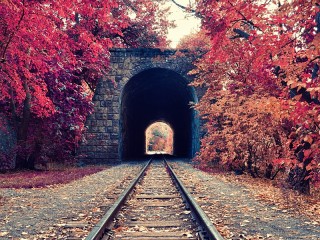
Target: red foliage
197 41
243 133
51 53
260 48
39 179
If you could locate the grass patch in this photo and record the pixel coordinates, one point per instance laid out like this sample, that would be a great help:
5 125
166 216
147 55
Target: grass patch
40 179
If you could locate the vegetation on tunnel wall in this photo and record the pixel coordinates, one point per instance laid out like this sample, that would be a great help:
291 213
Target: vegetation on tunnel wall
261 76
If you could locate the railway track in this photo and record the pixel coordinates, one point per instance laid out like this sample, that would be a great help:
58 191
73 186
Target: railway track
156 205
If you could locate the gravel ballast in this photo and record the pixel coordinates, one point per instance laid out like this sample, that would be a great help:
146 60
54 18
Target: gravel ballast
62 211
69 211
236 212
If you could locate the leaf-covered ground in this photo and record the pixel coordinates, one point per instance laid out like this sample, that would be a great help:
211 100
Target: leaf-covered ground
62 211
279 195
245 208
37 179
239 206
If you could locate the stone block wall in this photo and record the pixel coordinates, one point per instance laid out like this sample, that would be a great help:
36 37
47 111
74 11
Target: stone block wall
103 134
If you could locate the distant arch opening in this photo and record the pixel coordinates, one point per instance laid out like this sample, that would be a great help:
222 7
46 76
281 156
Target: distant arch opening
159 138
158 94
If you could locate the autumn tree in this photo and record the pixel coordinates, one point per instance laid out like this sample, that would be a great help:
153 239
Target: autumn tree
244 134
196 42
268 49
298 67
52 53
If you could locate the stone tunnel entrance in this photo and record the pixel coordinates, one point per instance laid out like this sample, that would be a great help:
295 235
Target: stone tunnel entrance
142 86
158 94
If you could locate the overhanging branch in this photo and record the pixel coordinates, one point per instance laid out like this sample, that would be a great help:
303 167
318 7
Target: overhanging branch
197 14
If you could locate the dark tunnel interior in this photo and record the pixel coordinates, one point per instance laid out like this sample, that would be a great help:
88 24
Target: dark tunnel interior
157 95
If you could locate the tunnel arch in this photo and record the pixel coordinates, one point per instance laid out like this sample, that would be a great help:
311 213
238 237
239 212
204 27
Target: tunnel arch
157 94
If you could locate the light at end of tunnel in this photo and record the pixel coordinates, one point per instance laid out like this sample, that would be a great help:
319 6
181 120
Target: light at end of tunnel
159 138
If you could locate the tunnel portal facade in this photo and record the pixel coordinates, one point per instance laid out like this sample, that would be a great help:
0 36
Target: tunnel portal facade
143 86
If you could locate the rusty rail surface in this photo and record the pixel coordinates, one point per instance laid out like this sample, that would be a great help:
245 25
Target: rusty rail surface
208 229
101 227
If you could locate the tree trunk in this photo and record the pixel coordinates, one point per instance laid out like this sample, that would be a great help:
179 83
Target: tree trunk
23 159
250 162
297 180
269 171
297 177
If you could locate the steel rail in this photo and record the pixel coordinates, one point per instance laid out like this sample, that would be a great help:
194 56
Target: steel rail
100 228
209 229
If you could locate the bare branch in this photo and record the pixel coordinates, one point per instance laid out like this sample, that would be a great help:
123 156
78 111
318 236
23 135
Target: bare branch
197 14
241 34
245 20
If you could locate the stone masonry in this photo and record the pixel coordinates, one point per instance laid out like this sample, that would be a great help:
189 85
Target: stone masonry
102 137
